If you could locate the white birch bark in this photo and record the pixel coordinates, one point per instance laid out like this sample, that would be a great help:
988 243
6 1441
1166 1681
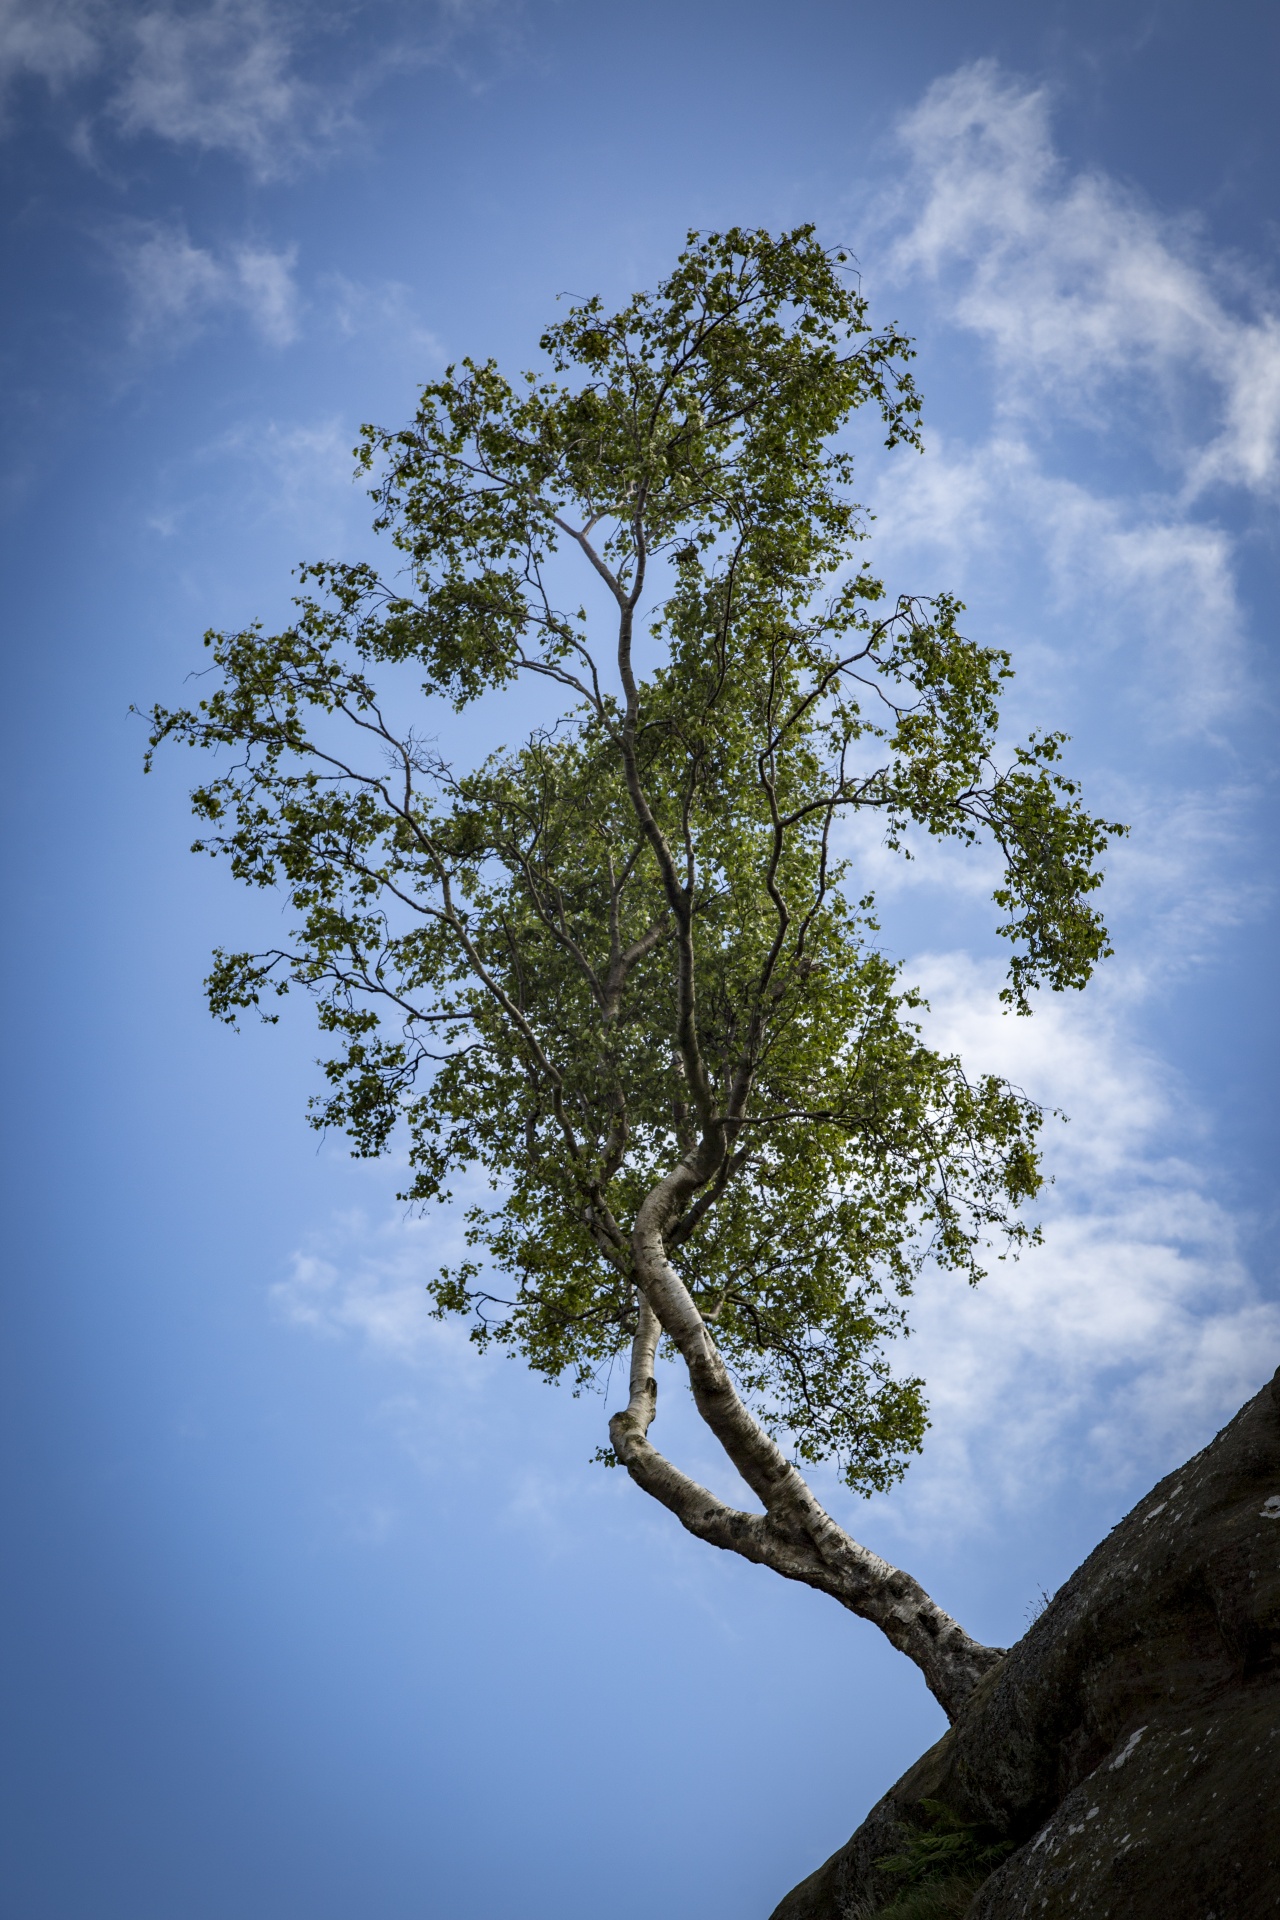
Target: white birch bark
794 1535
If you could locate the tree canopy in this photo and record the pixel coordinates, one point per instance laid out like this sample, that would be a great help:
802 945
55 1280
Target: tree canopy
628 968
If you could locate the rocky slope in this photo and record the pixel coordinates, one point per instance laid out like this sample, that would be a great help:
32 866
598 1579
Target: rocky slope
1127 1749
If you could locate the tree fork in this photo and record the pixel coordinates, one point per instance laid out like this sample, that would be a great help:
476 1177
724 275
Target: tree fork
795 1535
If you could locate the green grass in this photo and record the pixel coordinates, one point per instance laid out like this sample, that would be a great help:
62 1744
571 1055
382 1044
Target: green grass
947 1899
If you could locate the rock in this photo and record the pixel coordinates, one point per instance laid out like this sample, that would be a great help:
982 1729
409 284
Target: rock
1128 1747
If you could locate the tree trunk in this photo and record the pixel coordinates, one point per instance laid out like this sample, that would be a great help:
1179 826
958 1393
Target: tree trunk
794 1535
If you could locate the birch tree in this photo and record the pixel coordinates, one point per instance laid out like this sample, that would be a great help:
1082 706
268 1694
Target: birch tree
627 969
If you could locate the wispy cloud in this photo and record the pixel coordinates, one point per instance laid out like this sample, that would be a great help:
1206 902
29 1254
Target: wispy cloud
56 41
383 311
1094 310
1076 283
1138 1326
1090 309
1135 1330
357 1279
224 78
174 283
276 84
1147 590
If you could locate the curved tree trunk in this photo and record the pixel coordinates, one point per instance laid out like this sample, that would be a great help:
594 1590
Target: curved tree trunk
794 1535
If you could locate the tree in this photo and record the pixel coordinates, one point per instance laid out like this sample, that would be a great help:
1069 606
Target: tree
626 969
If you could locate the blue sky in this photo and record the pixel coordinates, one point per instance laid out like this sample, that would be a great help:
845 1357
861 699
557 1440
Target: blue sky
310 1613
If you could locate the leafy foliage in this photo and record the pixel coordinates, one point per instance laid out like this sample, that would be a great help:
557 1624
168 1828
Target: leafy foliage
944 1844
948 1898
943 1862
633 939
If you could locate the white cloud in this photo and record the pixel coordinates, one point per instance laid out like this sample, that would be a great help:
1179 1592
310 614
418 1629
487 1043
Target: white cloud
1134 1331
1091 307
175 283
1122 607
299 475
1076 284
1120 570
272 82
223 78
1187 874
358 1280
1119 1345
264 287
271 479
52 40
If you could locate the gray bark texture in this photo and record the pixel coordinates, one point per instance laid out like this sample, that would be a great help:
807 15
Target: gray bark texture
795 1535
1129 1745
